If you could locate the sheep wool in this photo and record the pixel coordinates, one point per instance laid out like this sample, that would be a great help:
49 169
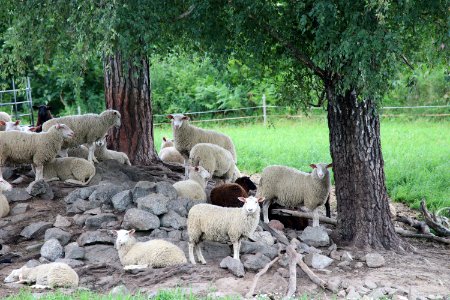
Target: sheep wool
168 152
102 153
194 187
152 254
4 205
216 160
227 194
51 275
69 169
5 118
81 152
222 224
292 188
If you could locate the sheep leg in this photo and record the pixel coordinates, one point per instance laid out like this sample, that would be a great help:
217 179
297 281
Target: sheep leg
1 173
265 208
236 248
186 170
316 217
73 181
39 173
39 286
52 179
91 156
200 255
191 253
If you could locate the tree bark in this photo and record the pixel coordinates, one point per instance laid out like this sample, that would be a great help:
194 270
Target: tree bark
127 89
362 202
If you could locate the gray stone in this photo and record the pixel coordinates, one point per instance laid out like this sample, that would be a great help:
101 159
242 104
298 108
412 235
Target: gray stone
346 256
277 225
142 189
343 264
118 292
34 230
179 206
7 173
263 236
81 193
377 293
122 200
159 233
48 195
80 219
374 260
93 211
17 194
154 203
283 272
71 262
95 222
336 255
37 188
370 284
81 205
255 262
174 220
140 219
363 290
73 251
19 208
234 265
248 247
165 188
98 254
104 193
175 235
341 294
317 261
94 237
56 233
61 222
32 263
52 250
352 294
315 236
359 265
334 284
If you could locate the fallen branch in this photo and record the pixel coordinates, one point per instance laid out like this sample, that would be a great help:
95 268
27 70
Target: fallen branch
314 278
421 226
431 221
410 234
264 270
287 212
292 253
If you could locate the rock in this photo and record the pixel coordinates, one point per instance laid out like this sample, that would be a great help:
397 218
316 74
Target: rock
104 193
359 265
142 189
81 205
377 293
71 262
159 233
277 225
93 211
315 236
52 250
37 188
61 222
19 208
140 220
7 173
32 263
283 272
17 194
175 235
48 195
165 188
174 220
332 247
179 206
154 203
80 219
341 294
334 284
234 265
94 237
370 284
255 262
73 251
363 290
346 256
101 254
56 233
374 260
81 193
95 222
352 294
399 297
317 261
336 255
263 236
248 247
34 230
118 292
122 200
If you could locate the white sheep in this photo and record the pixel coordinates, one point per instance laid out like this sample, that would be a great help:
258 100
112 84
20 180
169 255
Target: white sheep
187 136
150 254
292 188
51 275
4 205
14 126
70 170
169 153
5 118
88 128
222 224
102 153
32 148
194 187
215 159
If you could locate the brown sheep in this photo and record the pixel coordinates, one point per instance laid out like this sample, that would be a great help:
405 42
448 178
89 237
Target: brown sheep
227 194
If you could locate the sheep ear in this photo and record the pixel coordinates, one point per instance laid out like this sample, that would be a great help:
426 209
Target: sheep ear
242 199
17 122
330 165
170 116
132 231
58 126
261 199
185 118
313 166
164 139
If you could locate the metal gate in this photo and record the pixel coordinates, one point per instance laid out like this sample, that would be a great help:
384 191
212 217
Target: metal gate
19 100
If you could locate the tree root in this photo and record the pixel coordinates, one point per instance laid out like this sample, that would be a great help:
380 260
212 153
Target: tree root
431 221
432 237
287 212
421 226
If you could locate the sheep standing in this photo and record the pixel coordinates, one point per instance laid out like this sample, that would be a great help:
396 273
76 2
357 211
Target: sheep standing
51 275
168 152
150 254
4 205
5 118
88 129
102 153
215 159
70 170
292 188
44 114
227 194
35 148
222 224
194 187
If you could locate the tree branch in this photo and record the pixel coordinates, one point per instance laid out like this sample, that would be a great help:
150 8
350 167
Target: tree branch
321 99
259 274
286 212
405 60
410 234
431 221
186 13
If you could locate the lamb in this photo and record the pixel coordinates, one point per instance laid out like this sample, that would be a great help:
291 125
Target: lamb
5 118
14 126
69 169
215 159
35 148
51 275
290 187
169 154
222 224
150 254
102 153
227 194
88 129
4 205
194 187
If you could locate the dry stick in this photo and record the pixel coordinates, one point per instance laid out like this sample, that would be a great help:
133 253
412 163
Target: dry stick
421 226
410 234
287 212
290 250
259 274
314 278
430 220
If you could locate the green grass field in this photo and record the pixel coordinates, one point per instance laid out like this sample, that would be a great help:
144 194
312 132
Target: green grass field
416 152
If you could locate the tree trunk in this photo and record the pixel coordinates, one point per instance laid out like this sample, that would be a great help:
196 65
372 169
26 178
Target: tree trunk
127 89
362 201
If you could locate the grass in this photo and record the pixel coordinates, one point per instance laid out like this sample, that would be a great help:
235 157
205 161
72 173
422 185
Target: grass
416 152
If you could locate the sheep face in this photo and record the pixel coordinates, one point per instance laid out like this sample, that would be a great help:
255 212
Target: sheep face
11 126
178 120
251 204
124 237
14 276
201 171
101 142
114 117
4 185
166 143
320 170
66 131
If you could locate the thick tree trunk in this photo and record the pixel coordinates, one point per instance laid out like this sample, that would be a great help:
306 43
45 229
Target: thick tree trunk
127 89
358 166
